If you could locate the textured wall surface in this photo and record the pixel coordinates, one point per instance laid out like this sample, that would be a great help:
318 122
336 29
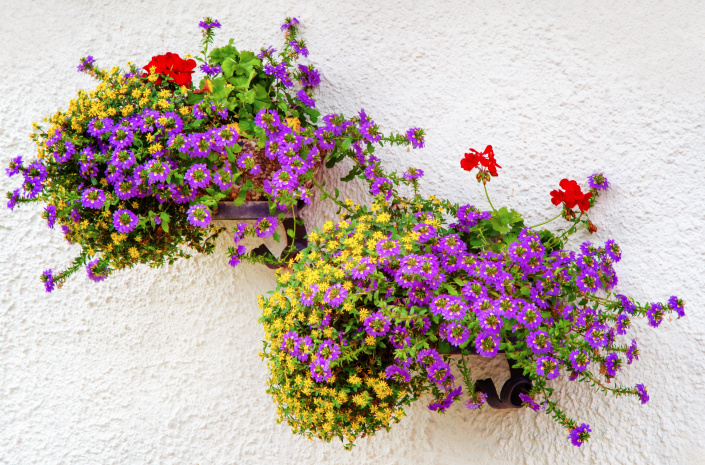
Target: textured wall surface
161 366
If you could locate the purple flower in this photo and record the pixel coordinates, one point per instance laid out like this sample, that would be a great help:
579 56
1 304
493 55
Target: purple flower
121 137
529 402
456 333
86 63
329 350
612 364
539 342
211 70
268 52
438 372
157 171
643 395
579 360
677 305
265 227
199 216
596 336
289 23
398 374
335 295
50 211
416 137
362 268
309 77
382 186
125 221
93 198
598 181
388 248
413 174
209 23
14 166
654 313
622 324
96 275
308 295
48 280
299 47
487 343
236 253
198 176
580 434
320 370
377 324
305 98
627 305
632 353
547 366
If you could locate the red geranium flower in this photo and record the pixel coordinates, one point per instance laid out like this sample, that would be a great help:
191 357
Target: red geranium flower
572 196
486 159
172 65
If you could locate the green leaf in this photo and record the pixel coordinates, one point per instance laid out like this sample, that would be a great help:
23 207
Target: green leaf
165 226
165 217
276 236
346 144
229 67
243 193
351 175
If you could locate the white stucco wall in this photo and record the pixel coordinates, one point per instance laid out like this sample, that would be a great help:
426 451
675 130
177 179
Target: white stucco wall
161 366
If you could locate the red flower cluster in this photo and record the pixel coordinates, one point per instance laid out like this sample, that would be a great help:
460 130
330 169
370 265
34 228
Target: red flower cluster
571 195
485 159
174 66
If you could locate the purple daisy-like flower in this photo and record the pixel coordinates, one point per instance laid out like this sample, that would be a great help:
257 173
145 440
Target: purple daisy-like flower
299 47
382 186
487 343
456 333
643 395
413 174
579 360
210 70
14 166
596 336
377 324
598 181
239 232
547 366
632 353
93 198
416 137
50 211
199 216
677 305
86 63
428 357
622 324
612 364
438 372
329 350
320 370
476 401
209 23
613 251
580 434
121 137
123 159
627 305
236 255
309 77
125 221
539 342
198 176
289 23
265 227
95 274
530 403
289 342
223 178
48 280
387 248
398 374
306 99
400 337
309 295
455 309
362 268
266 52
335 295
157 171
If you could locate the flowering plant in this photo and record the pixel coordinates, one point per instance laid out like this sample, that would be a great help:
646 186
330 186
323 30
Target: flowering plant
365 320
134 169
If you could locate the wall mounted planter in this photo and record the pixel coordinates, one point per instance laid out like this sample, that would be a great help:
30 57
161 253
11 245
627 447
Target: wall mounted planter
256 209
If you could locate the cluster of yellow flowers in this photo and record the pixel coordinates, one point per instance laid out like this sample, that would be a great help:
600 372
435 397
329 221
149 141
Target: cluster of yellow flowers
354 402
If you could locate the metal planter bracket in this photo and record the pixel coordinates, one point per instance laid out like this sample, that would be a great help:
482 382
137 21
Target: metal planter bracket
255 210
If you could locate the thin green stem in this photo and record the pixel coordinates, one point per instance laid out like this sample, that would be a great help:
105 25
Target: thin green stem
546 222
484 186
